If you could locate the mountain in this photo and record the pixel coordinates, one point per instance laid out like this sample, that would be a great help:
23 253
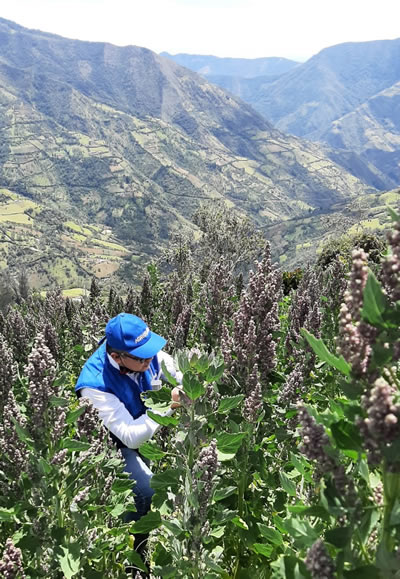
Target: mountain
372 130
346 96
211 66
107 151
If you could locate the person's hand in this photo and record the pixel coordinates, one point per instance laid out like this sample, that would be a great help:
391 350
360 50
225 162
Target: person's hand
175 397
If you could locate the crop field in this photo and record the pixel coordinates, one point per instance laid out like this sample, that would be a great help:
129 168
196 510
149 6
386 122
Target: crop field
282 460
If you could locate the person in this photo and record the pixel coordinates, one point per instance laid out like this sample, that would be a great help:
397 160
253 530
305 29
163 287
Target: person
127 363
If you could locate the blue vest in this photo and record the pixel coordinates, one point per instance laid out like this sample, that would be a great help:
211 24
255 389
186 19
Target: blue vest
98 373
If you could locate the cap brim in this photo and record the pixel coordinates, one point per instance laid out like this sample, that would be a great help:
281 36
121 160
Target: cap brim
150 348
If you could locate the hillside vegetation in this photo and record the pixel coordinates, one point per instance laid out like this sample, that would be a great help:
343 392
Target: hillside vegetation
282 460
346 96
132 143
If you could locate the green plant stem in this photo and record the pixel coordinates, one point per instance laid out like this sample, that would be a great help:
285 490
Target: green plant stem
188 508
244 454
191 436
242 486
391 488
363 550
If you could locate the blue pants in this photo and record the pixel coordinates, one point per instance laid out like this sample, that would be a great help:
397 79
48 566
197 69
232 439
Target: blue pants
138 469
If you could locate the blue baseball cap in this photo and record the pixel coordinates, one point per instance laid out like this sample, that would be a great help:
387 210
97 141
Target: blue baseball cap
131 334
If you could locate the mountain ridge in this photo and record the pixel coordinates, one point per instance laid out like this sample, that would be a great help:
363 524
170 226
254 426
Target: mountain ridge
345 97
122 139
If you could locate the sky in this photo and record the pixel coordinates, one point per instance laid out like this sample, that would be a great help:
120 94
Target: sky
294 29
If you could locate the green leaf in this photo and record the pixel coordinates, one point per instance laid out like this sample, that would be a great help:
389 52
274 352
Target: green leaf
122 484
228 444
374 301
183 361
365 572
168 376
118 510
229 403
69 559
271 534
364 470
147 523
135 560
340 537
315 511
72 444
163 420
211 564
30 543
301 465
367 523
382 355
17 536
23 434
58 401
301 531
218 532
200 363
157 399
174 527
89 572
346 435
221 494
323 353
393 214
287 485
352 390
262 549
192 387
386 561
395 514
72 415
391 452
151 451
7 514
160 555
166 479
214 373
239 522
44 466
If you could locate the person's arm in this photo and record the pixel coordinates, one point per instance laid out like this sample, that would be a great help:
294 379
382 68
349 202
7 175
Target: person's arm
116 418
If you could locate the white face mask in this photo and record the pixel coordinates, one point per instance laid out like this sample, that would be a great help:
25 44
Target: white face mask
156 383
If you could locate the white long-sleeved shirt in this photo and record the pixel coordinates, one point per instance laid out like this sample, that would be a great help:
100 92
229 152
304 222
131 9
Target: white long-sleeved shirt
115 416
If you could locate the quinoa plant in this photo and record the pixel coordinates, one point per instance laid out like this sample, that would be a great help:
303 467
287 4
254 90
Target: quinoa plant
354 440
63 490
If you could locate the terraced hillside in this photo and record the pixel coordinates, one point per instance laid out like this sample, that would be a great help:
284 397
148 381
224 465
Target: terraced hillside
300 240
123 140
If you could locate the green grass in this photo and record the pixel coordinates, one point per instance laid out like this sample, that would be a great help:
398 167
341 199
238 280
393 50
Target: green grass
114 246
108 257
391 197
74 292
84 231
15 212
41 180
18 206
373 224
303 245
79 237
8 193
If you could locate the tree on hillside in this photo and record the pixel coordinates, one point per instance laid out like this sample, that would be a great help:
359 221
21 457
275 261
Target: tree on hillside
7 289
